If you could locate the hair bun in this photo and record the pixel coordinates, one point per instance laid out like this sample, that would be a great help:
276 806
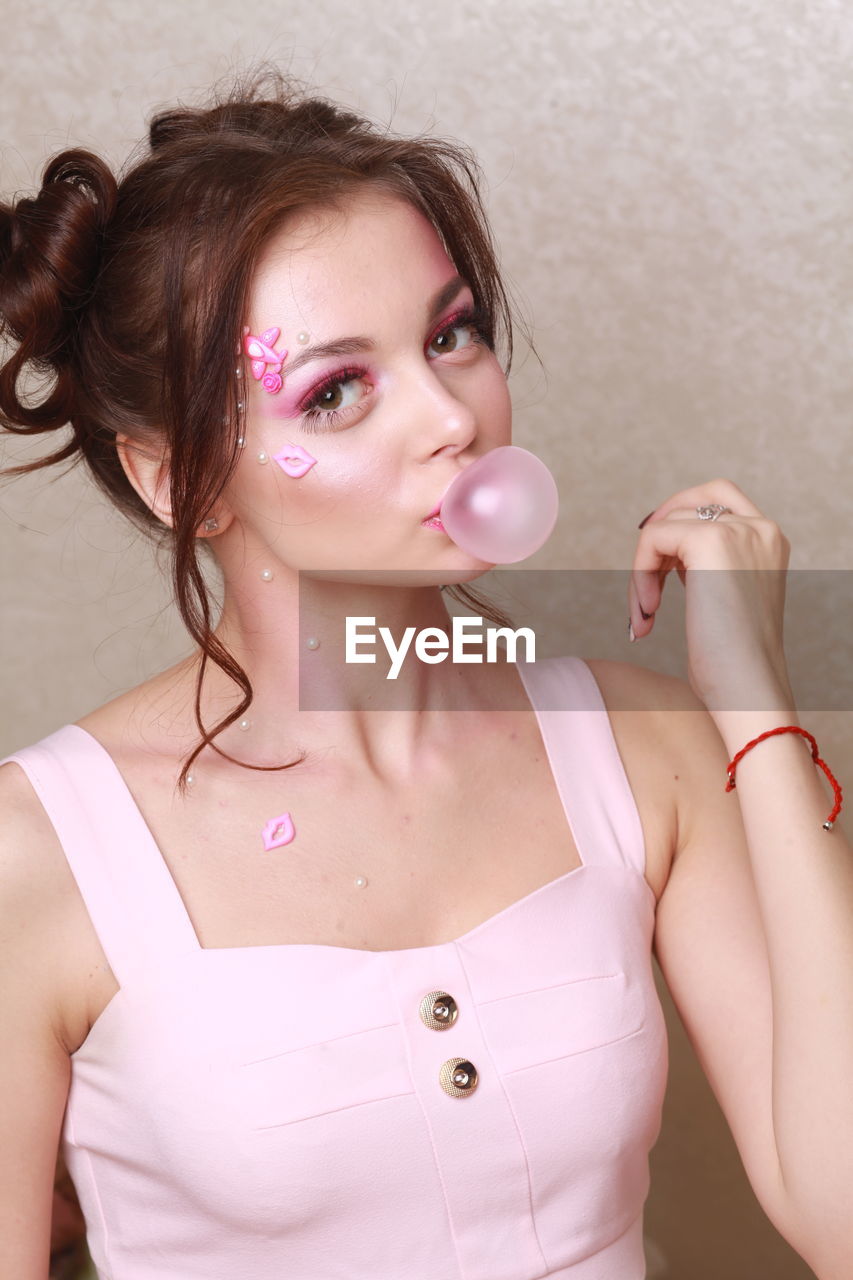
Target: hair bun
50 252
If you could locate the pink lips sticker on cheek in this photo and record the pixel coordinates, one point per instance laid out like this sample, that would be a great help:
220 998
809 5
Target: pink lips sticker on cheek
294 460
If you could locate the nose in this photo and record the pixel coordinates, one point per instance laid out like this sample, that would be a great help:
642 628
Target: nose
446 423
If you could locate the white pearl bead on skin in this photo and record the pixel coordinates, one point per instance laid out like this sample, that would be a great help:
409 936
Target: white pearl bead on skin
312 643
245 724
190 779
361 882
303 337
266 574
263 457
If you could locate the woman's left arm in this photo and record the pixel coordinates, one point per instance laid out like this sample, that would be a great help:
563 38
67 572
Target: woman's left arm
759 902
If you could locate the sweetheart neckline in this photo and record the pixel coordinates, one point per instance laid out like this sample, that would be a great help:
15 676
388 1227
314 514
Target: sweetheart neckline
188 928
322 946
281 948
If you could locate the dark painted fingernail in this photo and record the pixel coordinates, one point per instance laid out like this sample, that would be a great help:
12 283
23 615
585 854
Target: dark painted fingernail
648 517
646 616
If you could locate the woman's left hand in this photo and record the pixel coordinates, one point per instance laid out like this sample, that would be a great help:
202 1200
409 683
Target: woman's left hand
733 569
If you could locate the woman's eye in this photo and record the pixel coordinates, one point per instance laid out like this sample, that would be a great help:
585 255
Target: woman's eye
463 333
339 396
336 398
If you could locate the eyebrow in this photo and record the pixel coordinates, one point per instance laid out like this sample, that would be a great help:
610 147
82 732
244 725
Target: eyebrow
354 346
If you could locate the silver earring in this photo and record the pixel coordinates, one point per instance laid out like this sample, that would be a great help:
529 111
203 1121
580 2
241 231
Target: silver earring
211 523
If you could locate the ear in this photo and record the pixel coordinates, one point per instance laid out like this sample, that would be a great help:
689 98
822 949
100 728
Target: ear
147 469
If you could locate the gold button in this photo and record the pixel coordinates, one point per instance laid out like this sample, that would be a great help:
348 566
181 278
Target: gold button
458 1077
438 1010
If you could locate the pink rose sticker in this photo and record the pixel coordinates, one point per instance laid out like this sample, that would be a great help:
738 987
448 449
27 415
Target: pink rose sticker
272 382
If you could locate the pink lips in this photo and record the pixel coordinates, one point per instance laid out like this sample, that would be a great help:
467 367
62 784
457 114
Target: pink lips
432 521
294 460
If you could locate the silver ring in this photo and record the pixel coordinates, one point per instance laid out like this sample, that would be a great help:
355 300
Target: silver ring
712 512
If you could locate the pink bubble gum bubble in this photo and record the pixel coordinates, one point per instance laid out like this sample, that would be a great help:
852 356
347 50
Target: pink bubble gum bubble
502 507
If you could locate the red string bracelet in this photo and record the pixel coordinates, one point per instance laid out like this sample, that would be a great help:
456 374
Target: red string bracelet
791 728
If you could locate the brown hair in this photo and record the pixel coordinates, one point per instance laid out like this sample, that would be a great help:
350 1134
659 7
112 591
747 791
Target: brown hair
128 299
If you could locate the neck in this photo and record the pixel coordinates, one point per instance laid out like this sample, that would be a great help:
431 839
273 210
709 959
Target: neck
289 636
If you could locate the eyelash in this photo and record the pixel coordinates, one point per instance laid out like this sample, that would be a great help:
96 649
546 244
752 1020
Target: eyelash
315 418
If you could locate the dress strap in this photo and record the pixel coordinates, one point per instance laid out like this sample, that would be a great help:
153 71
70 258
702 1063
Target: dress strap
585 761
129 893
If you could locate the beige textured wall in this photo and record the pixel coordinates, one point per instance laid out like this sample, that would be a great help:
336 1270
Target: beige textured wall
670 181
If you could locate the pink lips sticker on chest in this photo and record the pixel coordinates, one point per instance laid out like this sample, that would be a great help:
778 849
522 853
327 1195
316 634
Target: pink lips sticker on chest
278 831
294 460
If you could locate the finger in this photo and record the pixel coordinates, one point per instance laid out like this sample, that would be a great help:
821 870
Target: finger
665 545
725 492
649 578
645 593
726 515
640 621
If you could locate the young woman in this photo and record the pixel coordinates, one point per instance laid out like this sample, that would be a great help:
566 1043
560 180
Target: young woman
356 989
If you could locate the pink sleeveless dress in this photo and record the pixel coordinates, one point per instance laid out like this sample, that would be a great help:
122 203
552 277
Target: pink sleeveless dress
478 1110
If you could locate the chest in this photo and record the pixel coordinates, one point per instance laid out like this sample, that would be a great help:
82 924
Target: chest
372 867
296 1098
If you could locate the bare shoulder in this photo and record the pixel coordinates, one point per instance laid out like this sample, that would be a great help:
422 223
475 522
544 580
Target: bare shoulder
36 896
675 723
634 688
134 714
31 869
45 927
657 721
35 1067
46 933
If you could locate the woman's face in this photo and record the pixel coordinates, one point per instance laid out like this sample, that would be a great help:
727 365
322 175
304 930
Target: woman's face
388 382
